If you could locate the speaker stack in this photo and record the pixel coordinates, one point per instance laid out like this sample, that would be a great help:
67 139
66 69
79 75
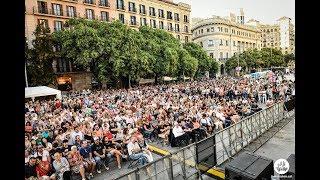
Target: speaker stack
248 166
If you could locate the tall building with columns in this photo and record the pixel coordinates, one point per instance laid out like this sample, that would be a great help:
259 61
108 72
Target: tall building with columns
162 14
222 38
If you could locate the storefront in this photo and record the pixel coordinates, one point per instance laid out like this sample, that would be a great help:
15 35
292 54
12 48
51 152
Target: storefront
74 81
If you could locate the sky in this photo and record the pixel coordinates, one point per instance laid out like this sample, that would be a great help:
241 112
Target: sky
265 11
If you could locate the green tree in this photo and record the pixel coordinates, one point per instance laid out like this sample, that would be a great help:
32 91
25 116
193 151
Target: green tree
289 58
112 50
205 63
162 49
232 62
188 65
39 58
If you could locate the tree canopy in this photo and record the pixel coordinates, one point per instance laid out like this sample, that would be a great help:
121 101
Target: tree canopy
114 51
253 58
39 58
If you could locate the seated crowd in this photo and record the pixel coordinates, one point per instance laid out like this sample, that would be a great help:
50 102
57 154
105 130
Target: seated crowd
85 132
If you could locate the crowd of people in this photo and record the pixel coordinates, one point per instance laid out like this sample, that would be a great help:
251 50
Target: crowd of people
85 132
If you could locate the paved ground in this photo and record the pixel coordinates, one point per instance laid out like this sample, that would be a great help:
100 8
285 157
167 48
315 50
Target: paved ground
281 145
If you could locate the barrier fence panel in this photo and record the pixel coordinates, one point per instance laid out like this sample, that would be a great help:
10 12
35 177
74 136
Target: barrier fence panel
187 162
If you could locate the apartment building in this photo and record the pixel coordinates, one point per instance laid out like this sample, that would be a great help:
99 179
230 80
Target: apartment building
162 14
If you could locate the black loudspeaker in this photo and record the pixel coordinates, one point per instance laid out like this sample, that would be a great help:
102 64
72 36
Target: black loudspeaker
292 168
290 105
248 166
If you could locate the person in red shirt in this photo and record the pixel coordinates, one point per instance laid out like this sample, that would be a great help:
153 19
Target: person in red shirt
28 128
57 104
43 169
107 134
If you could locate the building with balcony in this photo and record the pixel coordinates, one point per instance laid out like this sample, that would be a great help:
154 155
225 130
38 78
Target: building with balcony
162 14
223 38
279 36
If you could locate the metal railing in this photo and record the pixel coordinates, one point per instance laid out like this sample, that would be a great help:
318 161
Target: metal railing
181 164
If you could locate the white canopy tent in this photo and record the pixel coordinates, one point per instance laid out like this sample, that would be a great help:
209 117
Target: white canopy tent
40 91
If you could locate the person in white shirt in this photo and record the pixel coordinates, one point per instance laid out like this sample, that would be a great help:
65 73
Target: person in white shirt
179 135
135 152
75 133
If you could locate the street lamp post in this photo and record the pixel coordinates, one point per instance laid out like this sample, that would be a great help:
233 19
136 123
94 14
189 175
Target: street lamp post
25 74
237 69
25 70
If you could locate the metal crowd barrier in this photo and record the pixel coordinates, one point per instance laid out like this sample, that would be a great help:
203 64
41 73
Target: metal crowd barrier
182 164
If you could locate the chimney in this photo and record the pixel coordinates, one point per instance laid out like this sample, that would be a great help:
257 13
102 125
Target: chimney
241 17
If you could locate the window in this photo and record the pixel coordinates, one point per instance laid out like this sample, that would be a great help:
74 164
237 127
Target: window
142 9
63 65
161 13
210 43
185 18
71 11
57 25
132 7
226 30
57 9
234 43
143 21
221 55
201 44
133 20
271 30
104 3
211 55
176 17
170 28
176 27
186 29
227 55
152 11
186 39
178 37
42 7
153 23
104 16
89 1
89 14
212 29
161 25
201 31
221 43
169 15
208 30
226 42
43 23
121 18
120 4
